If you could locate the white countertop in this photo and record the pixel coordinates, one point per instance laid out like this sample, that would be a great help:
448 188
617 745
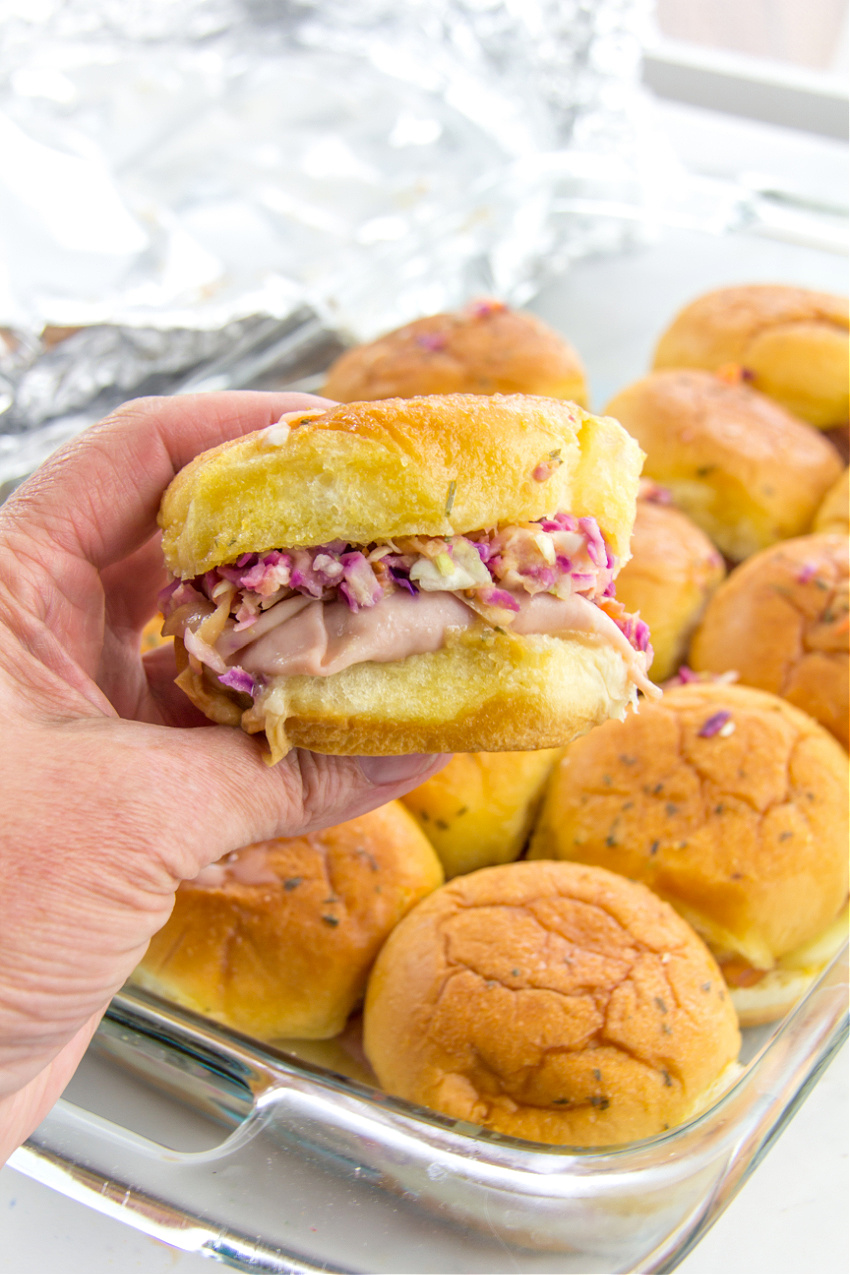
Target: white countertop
791 1214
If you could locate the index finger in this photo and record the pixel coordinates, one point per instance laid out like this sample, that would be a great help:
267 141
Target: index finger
98 496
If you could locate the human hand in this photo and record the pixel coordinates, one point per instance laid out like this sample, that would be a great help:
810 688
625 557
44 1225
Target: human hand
110 800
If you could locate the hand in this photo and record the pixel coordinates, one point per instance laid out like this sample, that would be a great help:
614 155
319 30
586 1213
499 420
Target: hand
110 800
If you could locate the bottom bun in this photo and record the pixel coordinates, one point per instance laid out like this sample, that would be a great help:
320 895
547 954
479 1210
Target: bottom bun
779 990
772 997
496 693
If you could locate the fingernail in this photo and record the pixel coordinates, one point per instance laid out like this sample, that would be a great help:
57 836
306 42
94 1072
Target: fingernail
394 770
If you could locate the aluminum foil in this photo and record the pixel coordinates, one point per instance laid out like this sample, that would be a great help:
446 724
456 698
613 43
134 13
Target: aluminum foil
218 193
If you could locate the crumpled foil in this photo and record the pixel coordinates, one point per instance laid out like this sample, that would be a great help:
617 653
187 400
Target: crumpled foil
221 193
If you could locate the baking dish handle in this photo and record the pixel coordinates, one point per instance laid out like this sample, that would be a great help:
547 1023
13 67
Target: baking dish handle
152 1187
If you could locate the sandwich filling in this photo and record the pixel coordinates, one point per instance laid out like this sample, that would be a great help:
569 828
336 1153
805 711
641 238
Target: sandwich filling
317 610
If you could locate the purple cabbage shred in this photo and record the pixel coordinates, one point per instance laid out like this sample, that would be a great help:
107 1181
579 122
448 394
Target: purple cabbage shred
714 725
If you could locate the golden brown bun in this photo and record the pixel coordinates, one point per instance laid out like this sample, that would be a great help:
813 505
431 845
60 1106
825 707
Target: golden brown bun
484 349
490 693
479 809
833 514
282 945
673 571
742 829
791 342
743 468
366 472
781 621
549 1001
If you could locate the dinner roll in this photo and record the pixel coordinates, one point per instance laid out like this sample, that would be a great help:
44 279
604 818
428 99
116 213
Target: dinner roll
478 810
729 803
552 1002
781 622
746 471
673 571
485 348
277 939
833 514
790 343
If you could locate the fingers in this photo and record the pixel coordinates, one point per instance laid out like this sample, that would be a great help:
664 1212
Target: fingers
208 791
358 783
97 498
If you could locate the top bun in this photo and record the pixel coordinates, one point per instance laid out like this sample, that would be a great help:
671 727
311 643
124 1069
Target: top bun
485 348
479 809
553 1002
727 801
364 472
744 469
780 621
277 938
790 343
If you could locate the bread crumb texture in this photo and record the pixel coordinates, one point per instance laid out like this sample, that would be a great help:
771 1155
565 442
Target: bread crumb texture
550 1001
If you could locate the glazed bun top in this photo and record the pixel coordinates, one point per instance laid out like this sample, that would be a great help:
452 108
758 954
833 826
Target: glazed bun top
790 343
549 1001
780 621
727 801
366 472
716 328
741 466
486 348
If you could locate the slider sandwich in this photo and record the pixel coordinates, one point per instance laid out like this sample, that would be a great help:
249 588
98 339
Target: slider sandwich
479 809
730 804
789 343
554 1002
485 348
411 575
277 939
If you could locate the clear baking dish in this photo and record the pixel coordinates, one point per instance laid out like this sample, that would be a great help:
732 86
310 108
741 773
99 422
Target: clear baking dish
288 1158
273 1158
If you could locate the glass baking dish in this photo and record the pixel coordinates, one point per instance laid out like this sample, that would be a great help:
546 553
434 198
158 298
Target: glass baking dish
288 1158
273 1158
